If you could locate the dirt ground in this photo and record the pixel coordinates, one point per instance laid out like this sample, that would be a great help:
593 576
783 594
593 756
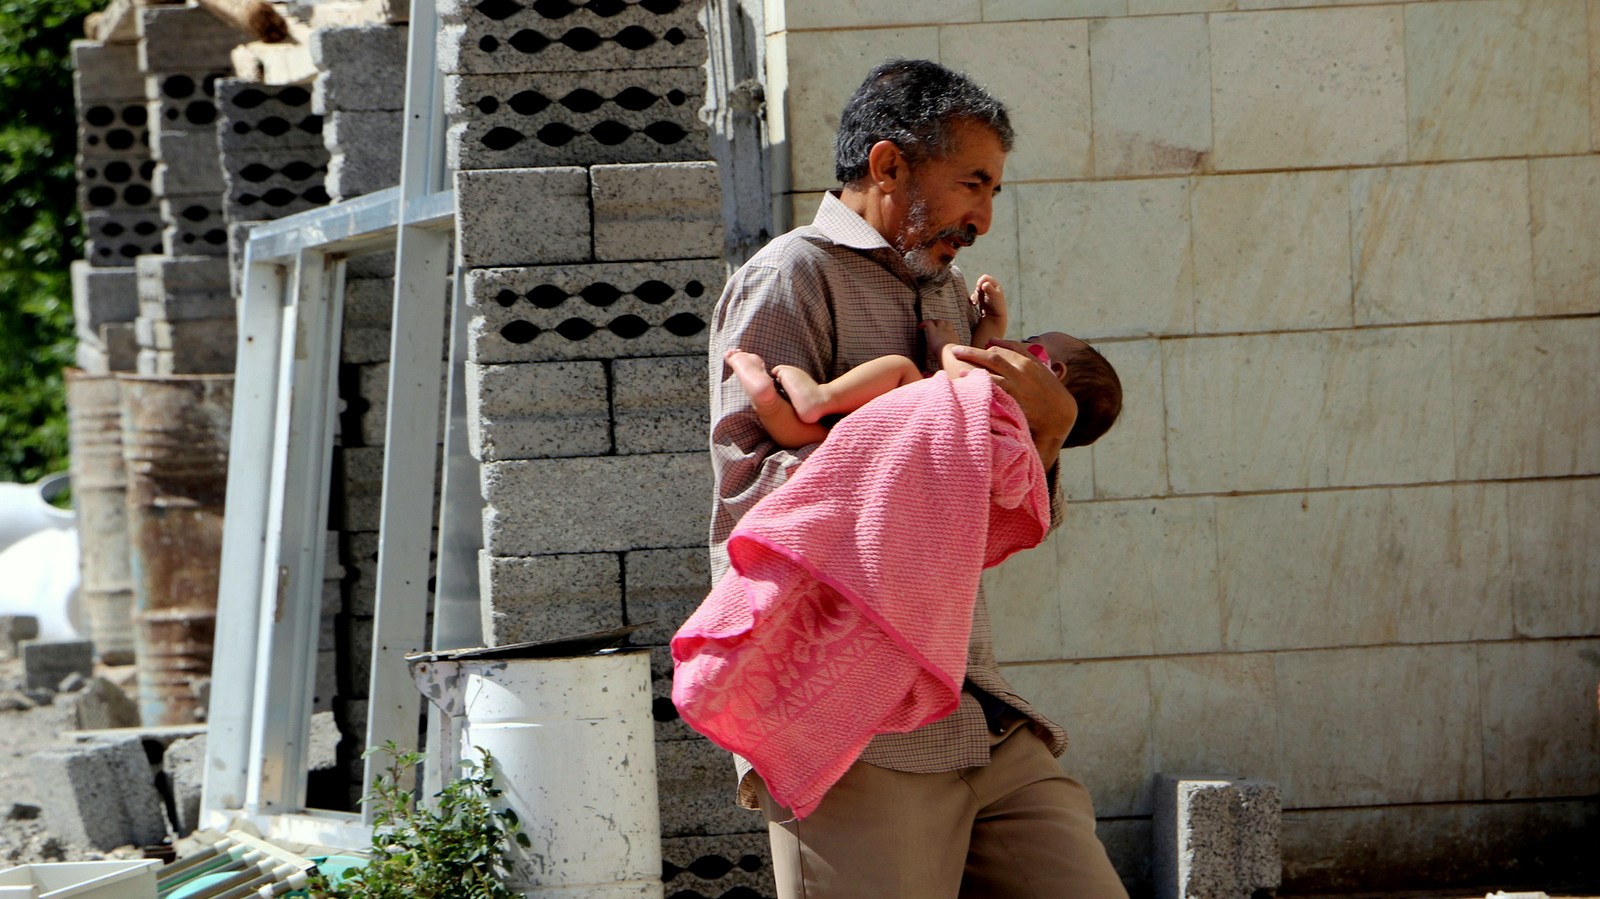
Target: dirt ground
24 731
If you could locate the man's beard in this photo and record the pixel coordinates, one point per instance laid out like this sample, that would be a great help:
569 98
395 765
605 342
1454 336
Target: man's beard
919 255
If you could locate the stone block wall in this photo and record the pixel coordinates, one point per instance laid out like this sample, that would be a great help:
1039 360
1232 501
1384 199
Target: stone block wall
1344 257
590 229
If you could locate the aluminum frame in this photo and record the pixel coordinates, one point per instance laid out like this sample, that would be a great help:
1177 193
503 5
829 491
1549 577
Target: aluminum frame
269 598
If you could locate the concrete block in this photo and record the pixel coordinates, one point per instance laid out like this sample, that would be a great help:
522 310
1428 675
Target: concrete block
325 688
114 239
659 405
665 586
161 276
1151 82
198 347
1529 64
496 222
114 126
102 704
669 210
715 866
1270 436
1527 408
370 404
266 117
825 68
116 180
195 226
1271 252
120 345
1107 707
186 305
1566 252
13 630
1555 557
185 765
697 791
368 302
1088 246
592 311
1308 88
363 67
1380 726
46 662
357 652
273 184
1441 242
105 72
511 37
101 295
187 162
90 356
361 470
544 597
365 148
1216 839
576 118
669 724
183 102
533 411
322 748
602 504
182 39
100 795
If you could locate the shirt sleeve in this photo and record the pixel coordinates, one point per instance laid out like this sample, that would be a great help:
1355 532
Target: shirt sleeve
782 314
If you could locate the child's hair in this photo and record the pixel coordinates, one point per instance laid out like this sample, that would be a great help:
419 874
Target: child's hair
1094 384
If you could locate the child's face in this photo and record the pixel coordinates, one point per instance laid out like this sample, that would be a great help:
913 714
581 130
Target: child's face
1060 348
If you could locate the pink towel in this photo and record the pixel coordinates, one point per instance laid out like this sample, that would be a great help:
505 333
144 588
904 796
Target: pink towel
848 606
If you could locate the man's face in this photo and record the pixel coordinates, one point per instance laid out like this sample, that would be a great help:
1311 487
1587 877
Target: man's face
947 202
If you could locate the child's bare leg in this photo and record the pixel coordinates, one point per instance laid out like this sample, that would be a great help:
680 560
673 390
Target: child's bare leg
848 392
777 416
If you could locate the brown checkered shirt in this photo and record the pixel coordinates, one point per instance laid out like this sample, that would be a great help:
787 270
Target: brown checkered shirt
826 298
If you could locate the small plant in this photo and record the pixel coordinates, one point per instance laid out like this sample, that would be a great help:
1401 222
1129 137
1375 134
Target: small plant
455 849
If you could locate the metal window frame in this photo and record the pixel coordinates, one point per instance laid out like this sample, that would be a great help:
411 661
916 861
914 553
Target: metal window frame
269 598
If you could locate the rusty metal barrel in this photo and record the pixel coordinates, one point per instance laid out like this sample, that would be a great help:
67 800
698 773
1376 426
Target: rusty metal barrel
175 444
100 496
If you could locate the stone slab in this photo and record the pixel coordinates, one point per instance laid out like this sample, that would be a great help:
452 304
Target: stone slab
1216 713
105 72
1151 82
266 116
657 211
45 663
101 795
604 504
545 597
1538 725
511 37
533 411
576 118
609 310
1497 79
1389 417
181 39
116 180
1303 88
101 295
496 225
1131 459
1555 557
363 68
1566 249
115 239
659 404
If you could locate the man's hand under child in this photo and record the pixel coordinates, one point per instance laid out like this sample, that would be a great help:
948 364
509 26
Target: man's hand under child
1049 408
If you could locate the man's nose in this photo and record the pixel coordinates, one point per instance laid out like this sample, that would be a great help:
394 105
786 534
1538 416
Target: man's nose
981 216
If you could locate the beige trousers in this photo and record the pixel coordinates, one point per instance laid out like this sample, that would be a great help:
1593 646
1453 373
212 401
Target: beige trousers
1016 827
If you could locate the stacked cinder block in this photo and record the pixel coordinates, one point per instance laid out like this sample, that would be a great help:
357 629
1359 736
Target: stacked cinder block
186 308
361 95
274 161
1216 839
120 217
590 224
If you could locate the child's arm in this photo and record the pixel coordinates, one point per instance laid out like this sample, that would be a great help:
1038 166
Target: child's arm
942 340
991 301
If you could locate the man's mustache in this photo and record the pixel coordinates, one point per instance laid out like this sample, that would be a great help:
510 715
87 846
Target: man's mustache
963 236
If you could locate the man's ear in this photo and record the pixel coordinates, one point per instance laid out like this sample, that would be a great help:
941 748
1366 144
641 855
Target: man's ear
886 166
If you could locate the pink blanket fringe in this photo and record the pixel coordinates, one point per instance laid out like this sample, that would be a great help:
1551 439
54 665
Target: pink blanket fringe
847 609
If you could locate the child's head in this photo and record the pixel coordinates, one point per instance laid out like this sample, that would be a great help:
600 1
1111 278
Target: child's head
1090 379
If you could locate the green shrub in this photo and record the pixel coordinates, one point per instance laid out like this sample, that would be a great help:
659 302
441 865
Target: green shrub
40 230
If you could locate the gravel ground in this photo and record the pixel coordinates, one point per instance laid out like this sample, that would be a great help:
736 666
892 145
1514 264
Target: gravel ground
24 731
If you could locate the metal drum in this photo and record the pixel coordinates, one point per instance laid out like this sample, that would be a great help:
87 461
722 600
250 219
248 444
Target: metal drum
100 496
175 444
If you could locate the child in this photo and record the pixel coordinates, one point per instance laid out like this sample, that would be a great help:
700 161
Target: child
794 423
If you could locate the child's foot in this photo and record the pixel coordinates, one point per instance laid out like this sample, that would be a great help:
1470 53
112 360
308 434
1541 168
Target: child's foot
804 394
753 377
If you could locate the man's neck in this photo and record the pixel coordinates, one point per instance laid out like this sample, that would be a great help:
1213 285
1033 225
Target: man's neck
870 206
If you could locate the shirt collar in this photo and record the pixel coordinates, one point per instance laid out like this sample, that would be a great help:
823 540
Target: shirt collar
841 225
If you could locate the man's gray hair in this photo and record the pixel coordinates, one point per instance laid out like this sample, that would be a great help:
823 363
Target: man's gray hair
914 103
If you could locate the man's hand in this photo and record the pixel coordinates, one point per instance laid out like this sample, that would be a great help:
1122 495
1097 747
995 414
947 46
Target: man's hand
1050 409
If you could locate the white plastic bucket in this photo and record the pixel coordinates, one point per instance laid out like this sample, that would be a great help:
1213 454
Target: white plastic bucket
134 879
